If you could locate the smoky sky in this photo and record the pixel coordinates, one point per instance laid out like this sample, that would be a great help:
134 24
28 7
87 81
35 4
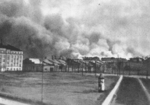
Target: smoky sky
76 28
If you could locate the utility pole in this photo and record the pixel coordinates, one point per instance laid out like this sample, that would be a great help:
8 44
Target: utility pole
42 83
82 68
95 67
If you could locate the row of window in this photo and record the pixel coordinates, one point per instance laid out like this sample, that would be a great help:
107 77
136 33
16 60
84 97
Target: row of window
13 69
14 52
14 56
1 51
14 60
11 61
11 52
12 65
11 56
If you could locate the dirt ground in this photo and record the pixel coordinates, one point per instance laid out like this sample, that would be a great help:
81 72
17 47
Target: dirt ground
58 88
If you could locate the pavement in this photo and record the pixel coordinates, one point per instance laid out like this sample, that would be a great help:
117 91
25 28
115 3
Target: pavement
113 92
4 101
145 90
131 92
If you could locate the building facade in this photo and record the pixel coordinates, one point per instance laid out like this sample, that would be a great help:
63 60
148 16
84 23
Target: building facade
32 65
11 58
48 65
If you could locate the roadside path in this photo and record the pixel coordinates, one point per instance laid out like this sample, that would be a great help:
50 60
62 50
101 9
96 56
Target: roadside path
112 93
4 101
145 89
131 92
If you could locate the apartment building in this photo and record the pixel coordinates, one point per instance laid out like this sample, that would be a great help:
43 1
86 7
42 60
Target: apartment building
11 58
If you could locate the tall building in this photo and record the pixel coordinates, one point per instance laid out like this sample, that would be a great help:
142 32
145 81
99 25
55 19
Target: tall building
11 58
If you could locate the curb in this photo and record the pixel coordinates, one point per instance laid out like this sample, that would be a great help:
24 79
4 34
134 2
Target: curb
145 89
10 102
112 93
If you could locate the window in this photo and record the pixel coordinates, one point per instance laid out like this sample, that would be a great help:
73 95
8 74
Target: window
20 65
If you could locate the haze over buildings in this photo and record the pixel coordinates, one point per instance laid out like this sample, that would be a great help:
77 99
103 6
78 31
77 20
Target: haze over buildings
77 28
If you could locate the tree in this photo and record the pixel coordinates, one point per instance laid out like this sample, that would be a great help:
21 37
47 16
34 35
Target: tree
119 66
147 63
127 68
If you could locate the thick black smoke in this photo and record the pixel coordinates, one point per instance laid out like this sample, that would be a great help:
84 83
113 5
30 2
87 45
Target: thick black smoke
75 29
19 27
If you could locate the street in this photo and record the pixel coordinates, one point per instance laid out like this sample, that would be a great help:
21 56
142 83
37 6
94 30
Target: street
4 101
131 92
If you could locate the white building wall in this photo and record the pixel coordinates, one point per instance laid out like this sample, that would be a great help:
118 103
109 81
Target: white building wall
2 59
11 60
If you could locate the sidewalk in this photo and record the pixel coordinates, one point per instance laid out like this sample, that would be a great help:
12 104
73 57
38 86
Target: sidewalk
130 92
113 92
4 101
145 89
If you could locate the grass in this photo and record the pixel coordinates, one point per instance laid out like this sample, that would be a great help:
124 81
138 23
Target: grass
59 88
131 93
21 99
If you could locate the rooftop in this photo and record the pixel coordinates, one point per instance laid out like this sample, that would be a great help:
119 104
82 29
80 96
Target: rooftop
35 60
9 47
32 61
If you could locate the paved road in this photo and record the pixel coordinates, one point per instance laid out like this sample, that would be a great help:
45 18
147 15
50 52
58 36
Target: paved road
10 102
131 92
113 91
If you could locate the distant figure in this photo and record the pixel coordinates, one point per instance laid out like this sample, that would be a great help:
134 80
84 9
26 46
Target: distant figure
101 84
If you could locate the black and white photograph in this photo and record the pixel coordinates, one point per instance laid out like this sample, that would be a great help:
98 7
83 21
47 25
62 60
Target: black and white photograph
74 52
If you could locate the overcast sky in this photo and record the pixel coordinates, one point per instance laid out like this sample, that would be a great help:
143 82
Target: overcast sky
104 28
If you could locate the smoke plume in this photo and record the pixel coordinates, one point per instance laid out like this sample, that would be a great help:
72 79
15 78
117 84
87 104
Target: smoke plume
76 28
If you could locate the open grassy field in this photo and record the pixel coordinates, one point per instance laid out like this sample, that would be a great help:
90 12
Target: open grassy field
130 92
58 88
